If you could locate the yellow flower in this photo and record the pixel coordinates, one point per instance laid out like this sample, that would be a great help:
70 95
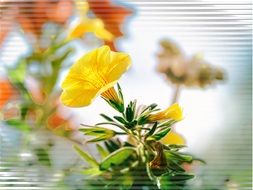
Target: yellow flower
85 25
94 74
173 138
173 112
95 26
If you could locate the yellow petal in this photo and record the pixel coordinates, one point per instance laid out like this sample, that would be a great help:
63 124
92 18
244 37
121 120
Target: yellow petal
174 112
86 25
77 31
112 64
99 30
93 74
120 63
173 138
78 98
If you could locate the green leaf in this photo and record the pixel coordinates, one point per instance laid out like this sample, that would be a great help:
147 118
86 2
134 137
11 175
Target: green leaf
167 124
103 153
17 75
180 177
86 157
116 157
116 105
43 156
150 107
92 172
178 156
122 182
143 120
106 117
175 166
112 145
131 124
99 132
19 124
174 147
151 132
99 138
174 181
120 119
159 135
120 93
129 113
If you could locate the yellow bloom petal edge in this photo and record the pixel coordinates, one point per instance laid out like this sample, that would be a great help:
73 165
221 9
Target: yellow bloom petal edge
173 138
87 25
94 74
173 112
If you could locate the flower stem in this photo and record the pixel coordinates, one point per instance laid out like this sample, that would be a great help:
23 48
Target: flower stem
176 93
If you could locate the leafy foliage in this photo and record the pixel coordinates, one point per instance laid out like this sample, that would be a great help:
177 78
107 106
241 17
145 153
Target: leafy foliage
142 160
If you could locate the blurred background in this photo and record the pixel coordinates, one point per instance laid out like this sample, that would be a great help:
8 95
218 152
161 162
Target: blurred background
218 117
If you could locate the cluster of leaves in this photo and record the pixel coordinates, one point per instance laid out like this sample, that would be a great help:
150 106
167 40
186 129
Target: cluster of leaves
141 161
42 66
37 103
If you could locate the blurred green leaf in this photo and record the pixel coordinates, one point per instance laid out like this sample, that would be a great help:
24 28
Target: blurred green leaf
17 75
123 182
174 181
112 145
171 155
19 124
103 153
86 157
175 166
174 147
176 178
43 156
117 157
92 171
50 80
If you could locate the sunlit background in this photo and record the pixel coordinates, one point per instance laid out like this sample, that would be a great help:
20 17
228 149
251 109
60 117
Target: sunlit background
217 119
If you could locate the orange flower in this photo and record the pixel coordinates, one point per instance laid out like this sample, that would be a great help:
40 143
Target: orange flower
56 121
112 15
32 15
6 92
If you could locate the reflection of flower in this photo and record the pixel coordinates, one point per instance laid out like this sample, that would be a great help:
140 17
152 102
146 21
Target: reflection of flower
112 15
173 112
32 15
93 74
87 24
189 72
